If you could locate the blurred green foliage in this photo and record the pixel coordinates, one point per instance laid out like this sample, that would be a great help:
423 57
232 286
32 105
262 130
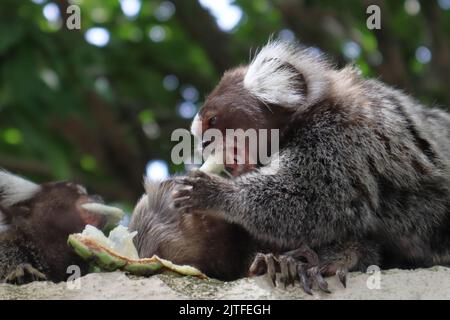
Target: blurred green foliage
97 114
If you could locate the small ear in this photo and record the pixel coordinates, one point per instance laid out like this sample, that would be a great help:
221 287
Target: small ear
277 82
14 189
297 82
285 74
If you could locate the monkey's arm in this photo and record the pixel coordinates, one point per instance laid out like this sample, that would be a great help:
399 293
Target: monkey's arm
313 196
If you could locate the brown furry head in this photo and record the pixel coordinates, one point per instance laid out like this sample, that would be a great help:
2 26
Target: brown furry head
44 216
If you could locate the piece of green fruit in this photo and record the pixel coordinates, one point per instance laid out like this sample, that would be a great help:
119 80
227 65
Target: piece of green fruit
97 250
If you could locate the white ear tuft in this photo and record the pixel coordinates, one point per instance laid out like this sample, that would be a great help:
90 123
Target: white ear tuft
270 80
14 189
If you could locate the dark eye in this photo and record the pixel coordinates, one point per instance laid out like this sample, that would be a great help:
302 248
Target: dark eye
212 121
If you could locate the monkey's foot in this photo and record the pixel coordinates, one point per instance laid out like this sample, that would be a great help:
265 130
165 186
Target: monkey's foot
291 268
25 273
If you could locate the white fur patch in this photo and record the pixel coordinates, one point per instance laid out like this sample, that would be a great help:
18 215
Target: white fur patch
14 189
269 79
196 127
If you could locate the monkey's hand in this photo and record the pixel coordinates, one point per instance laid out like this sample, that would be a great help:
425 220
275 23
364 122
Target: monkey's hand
24 273
200 191
291 268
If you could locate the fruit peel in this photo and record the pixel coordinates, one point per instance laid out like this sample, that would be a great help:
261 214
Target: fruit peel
103 257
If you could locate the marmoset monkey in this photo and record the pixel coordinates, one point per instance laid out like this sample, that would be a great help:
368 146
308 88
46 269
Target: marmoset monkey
362 172
219 249
35 222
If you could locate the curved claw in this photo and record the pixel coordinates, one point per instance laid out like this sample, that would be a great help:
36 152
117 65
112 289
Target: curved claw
284 270
288 270
258 266
323 285
304 279
271 269
317 276
292 272
342 274
187 181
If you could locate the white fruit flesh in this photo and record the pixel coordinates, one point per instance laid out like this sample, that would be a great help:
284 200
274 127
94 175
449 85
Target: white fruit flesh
214 163
120 240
